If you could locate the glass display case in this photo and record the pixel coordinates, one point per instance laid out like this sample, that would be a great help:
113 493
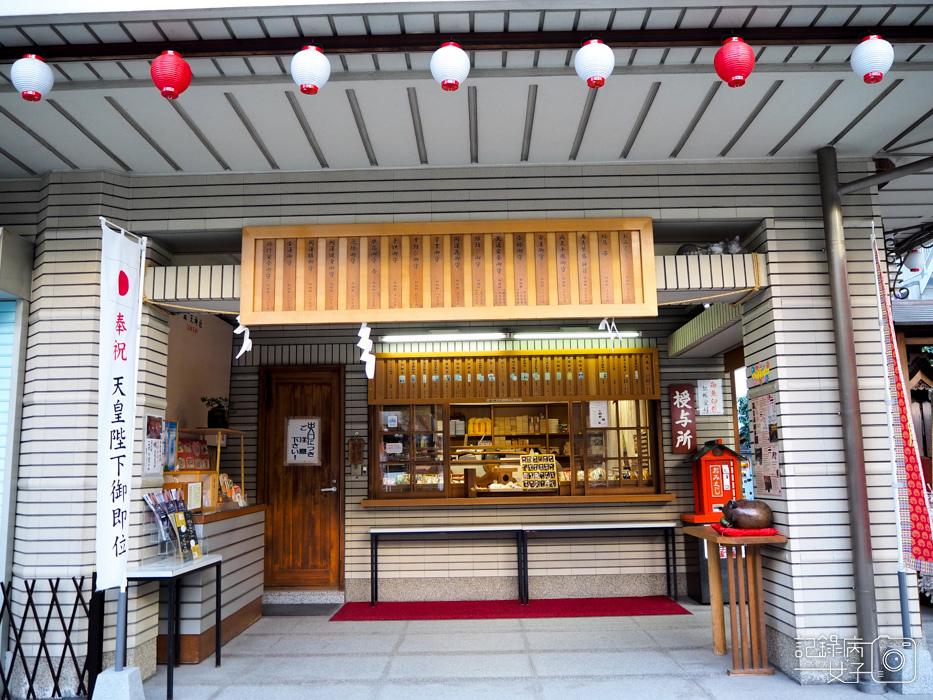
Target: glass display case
613 446
581 448
410 449
491 439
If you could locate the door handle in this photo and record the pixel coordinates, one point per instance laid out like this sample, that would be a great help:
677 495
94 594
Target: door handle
332 488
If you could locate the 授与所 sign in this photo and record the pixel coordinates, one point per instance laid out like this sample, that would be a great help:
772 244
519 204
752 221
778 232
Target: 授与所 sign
683 418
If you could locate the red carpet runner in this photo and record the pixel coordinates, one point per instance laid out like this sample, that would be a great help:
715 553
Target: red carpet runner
499 609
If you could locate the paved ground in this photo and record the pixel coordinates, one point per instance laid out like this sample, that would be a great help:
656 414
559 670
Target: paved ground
297 658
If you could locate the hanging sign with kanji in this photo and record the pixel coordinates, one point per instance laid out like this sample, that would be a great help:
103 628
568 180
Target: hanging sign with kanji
438 271
683 418
121 266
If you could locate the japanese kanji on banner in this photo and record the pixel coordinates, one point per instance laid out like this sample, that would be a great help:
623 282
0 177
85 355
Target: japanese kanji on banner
121 270
683 418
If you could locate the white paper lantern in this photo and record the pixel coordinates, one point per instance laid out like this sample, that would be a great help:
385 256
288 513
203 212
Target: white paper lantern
310 69
872 58
594 62
913 261
450 65
32 77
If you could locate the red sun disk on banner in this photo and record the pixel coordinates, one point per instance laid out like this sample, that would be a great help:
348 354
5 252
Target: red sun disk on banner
123 284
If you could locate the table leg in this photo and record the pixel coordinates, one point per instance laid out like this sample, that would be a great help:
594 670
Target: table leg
218 616
170 640
743 628
674 560
731 559
525 567
177 583
755 583
373 569
518 561
754 609
715 599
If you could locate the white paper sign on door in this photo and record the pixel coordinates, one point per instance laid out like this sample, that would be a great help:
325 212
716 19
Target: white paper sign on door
303 441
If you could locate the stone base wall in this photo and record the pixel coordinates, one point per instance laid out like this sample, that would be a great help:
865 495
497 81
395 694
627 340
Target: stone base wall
504 588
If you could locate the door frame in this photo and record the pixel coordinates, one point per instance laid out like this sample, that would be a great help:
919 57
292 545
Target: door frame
340 439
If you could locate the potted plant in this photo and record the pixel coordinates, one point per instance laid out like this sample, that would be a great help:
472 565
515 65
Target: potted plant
218 411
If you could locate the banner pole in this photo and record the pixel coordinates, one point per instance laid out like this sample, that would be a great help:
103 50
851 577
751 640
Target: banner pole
120 651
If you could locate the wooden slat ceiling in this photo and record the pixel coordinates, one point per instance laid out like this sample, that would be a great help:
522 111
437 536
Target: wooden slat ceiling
521 104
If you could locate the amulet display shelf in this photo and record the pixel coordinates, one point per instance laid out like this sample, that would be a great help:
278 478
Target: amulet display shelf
451 428
212 494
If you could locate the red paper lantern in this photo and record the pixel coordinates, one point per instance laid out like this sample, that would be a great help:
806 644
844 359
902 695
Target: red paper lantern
734 61
171 74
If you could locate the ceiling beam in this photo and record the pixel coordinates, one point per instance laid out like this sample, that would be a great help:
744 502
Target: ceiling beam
476 41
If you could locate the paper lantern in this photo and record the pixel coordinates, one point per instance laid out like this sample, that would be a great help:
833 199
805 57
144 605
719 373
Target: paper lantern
594 62
171 74
450 65
872 58
734 61
310 69
32 77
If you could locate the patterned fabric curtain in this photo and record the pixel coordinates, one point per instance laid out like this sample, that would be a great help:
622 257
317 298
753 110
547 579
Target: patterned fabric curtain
913 512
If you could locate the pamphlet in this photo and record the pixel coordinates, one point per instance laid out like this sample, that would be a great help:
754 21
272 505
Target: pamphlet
175 521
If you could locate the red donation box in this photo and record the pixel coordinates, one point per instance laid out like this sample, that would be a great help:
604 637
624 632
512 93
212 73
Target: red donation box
715 479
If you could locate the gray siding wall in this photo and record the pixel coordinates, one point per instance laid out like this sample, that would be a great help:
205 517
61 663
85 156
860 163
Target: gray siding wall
808 582
411 561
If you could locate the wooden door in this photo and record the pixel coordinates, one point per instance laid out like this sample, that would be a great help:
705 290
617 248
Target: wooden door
304 517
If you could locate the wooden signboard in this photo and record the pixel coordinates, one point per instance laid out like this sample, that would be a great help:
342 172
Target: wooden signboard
470 270
515 376
683 418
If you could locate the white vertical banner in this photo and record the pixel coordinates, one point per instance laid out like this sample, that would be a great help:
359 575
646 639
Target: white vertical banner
121 270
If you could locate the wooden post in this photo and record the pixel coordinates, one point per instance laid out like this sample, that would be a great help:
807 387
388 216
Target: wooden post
469 481
715 599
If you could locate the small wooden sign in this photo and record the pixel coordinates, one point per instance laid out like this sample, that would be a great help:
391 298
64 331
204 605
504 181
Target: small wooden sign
357 450
683 418
290 275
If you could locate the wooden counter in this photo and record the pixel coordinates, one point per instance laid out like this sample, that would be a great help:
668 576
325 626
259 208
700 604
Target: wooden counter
215 514
238 535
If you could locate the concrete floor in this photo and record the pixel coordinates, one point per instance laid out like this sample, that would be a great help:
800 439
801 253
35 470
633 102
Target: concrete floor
296 658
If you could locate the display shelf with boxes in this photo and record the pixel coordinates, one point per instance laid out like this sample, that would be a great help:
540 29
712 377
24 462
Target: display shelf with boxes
586 449
593 414
495 438
197 470
409 441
